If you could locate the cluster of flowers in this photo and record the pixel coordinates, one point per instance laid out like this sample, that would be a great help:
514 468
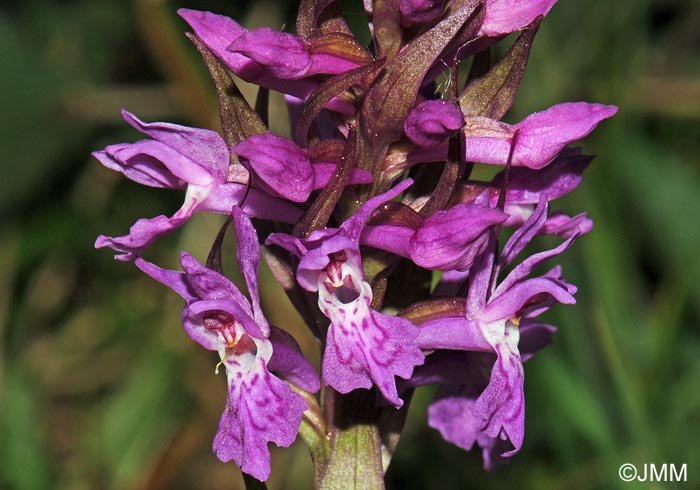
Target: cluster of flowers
376 180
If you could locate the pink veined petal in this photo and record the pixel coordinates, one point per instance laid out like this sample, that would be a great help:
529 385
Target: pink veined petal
452 415
180 166
541 136
260 409
290 363
248 253
209 284
283 54
502 403
142 168
506 16
202 146
280 164
141 235
365 347
451 239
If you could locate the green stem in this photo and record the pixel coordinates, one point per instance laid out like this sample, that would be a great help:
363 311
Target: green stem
355 459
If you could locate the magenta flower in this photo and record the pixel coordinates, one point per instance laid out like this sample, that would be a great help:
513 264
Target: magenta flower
541 136
363 347
495 316
260 407
271 59
190 159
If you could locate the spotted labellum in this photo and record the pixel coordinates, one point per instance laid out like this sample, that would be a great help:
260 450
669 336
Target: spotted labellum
371 201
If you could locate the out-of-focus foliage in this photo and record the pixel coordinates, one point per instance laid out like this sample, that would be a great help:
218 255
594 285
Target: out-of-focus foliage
100 387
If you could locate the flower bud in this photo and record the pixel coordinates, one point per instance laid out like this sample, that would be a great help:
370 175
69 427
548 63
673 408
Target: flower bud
420 11
430 122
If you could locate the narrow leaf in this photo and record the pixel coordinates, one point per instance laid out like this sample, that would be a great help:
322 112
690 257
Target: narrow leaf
493 94
432 309
386 19
325 93
238 120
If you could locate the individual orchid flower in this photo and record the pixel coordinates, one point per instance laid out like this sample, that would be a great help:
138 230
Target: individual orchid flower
363 347
525 188
494 316
184 158
275 60
540 136
260 406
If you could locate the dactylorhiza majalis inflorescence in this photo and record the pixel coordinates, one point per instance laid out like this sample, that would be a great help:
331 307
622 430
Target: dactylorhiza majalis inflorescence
370 199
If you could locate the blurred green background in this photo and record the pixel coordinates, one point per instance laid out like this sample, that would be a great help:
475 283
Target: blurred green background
99 386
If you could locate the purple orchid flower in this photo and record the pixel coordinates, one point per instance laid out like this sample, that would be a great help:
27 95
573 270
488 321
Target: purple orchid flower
363 347
527 186
267 58
191 159
541 136
495 318
260 407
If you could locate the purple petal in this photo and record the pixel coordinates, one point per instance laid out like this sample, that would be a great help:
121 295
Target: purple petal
364 347
141 168
175 280
166 158
506 16
141 235
501 406
528 265
202 146
525 294
534 336
523 235
452 334
544 134
260 409
324 171
290 363
209 284
257 203
218 32
353 225
280 164
193 317
282 54
248 254
394 239
320 245
452 415
525 186
287 242
565 226
451 239
541 136
432 121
